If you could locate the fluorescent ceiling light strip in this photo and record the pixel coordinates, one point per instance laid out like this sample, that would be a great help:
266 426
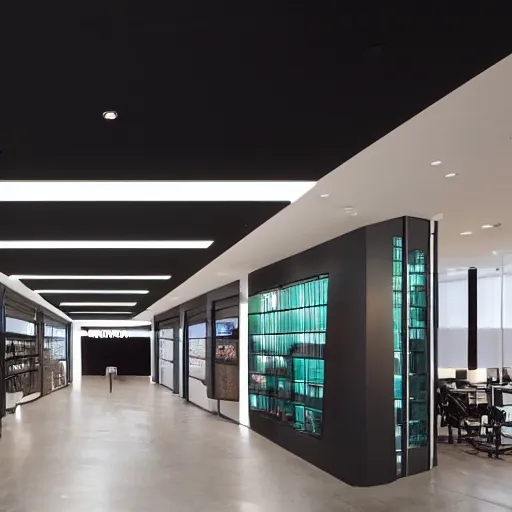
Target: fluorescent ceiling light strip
164 191
105 244
22 277
99 312
108 292
122 304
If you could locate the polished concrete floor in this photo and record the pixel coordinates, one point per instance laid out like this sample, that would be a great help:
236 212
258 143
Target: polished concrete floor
142 449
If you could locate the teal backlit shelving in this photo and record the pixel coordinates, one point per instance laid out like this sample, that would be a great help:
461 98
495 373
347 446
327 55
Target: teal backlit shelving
418 363
287 332
397 346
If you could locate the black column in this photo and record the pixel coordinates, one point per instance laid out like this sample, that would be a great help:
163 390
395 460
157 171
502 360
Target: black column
472 319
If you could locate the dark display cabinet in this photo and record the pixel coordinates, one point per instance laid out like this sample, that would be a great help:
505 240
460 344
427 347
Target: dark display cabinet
340 365
34 356
22 360
286 349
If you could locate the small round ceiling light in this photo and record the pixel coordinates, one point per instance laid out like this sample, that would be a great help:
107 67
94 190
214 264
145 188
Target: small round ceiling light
435 163
451 175
110 115
324 196
353 214
487 226
466 233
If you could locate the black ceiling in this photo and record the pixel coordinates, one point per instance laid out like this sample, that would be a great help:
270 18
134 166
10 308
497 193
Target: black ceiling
206 90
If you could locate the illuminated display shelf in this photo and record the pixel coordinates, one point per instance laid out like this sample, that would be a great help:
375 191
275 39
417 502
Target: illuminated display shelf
397 346
287 333
22 365
418 362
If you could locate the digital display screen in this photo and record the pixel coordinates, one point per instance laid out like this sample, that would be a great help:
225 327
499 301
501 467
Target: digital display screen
227 327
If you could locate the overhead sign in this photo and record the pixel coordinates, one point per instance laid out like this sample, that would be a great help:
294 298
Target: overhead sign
108 333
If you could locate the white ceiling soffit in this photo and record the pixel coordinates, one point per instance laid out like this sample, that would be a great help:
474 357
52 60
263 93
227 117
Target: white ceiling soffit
469 131
24 291
153 190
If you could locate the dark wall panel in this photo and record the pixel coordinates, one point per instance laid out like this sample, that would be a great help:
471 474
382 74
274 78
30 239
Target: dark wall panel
130 355
379 381
341 449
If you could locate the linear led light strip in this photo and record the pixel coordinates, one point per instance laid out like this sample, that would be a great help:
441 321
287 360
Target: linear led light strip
22 277
122 304
164 191
99 312
105 244
107 292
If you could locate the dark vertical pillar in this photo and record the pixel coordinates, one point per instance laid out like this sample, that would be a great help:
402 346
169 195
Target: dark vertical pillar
435 312
472 319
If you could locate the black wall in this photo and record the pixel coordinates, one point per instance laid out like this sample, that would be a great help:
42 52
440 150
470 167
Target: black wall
358 442
130 355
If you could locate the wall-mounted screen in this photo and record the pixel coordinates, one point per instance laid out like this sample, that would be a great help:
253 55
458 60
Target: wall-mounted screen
227 327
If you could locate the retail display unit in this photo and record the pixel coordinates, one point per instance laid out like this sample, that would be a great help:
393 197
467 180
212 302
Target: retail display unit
34 351
22 361
286 354
168 354
55 357
225 355
341 343
205 350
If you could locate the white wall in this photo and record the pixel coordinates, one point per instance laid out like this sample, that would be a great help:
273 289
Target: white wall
453 302
494 339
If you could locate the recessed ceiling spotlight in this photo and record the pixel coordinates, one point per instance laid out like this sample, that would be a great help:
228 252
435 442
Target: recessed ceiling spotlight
353 214
323 196
110 115
349 209
451 175
465 233
487 226
435 163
